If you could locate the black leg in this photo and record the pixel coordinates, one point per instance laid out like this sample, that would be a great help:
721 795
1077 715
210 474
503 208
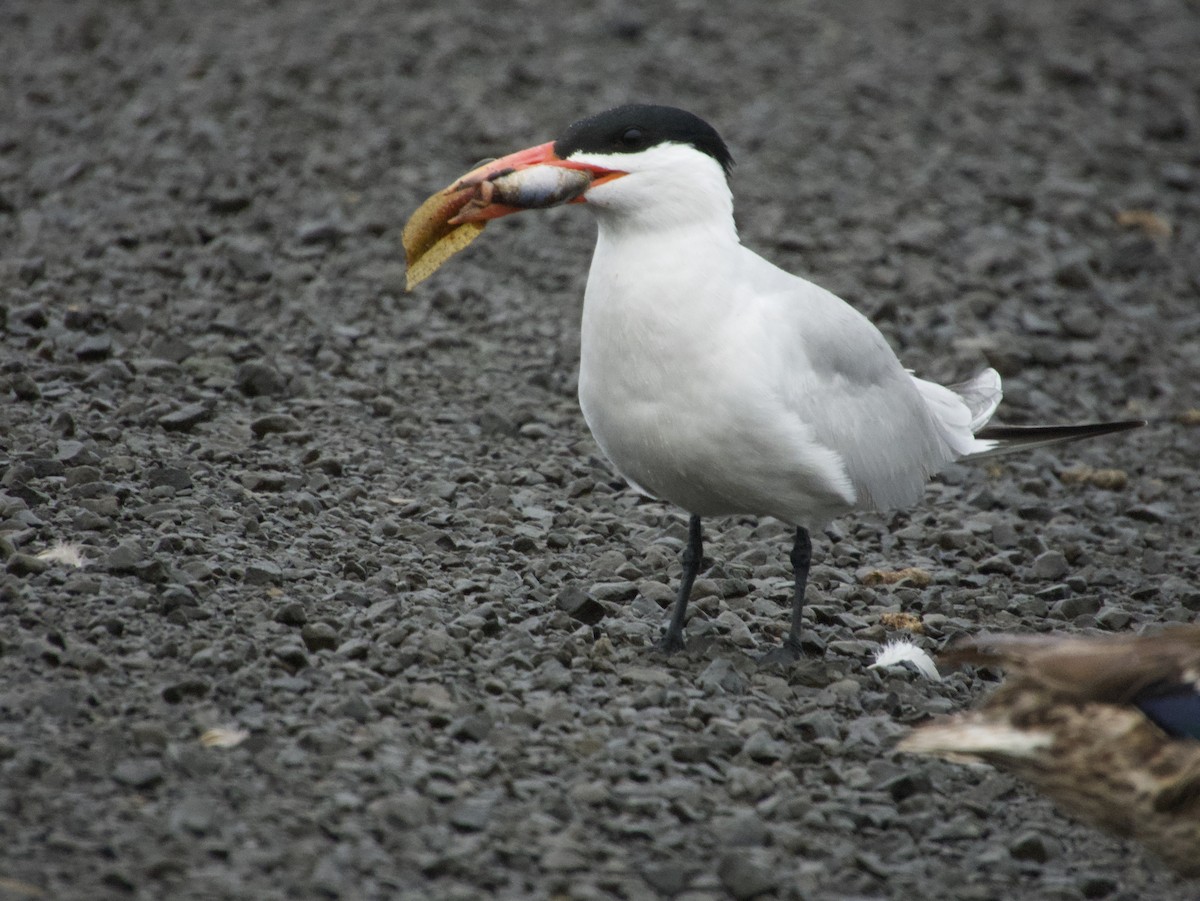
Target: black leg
693 554
801 559
790 650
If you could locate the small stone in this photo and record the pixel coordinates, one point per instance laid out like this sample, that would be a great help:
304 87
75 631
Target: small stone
472 815
321 231
667 879
735 629
1070 70
190 687
26 565
616 592
246 254
1113 618
1150 512
291 614
24 387
579 605
185 418
193 815
1097 885
34 316
153 570
743 877
354 649
1074 273
761 748
170 476
257 379
998 564
75 453
264 481
291 654
1071 607
433 695
646 675
262 572
744 830
1033 846
356 708
226 201
720 676
81 475
663 595
276 423
906 785
30 269
475 727
138 773
1081 322
442 489
551 676
319 637
124 558
94 347
1050 566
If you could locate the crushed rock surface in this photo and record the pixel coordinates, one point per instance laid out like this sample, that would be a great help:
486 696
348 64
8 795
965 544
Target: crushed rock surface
367 535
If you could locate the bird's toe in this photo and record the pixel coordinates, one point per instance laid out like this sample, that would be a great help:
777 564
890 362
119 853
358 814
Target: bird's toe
785 655
670 644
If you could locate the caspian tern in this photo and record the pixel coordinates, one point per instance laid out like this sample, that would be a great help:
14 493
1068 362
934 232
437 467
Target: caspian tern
709 377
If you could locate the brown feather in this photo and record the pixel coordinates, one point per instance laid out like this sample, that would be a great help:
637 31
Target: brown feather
1062 720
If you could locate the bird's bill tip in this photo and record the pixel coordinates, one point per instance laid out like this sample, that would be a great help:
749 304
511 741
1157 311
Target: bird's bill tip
534 178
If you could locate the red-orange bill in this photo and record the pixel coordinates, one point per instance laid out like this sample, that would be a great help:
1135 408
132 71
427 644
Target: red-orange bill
452 218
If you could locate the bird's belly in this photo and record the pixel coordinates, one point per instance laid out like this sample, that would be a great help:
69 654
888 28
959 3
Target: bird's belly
710 461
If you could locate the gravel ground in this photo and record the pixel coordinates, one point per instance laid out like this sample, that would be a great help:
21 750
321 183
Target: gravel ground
370 529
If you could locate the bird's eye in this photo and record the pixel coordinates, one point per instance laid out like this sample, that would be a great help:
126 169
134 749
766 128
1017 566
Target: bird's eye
631 137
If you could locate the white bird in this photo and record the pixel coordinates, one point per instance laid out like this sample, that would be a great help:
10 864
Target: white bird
709 377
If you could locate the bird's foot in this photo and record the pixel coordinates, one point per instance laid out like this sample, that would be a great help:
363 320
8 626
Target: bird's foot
785 655
671 643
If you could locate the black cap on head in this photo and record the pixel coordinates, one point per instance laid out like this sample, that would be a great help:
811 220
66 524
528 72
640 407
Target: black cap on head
640 126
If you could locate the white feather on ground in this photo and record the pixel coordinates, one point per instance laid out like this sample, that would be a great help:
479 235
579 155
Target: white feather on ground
900 650
65 552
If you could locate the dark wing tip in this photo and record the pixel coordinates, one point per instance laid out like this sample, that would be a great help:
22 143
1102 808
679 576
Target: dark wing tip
1050 434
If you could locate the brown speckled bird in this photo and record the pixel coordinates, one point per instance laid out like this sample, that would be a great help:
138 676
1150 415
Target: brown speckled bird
1108 727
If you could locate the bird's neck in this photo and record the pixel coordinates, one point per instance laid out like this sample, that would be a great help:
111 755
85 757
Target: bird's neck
659 291
703 215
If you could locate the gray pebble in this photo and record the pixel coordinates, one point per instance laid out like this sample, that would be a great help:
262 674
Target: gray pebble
93 348
472 815
579 605
1050 566
186 418
262 572
291 614
24 387
1078 605
274 424
138 773
26 565
171 476
1033 846
744 877
319 636
258 379
291 654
